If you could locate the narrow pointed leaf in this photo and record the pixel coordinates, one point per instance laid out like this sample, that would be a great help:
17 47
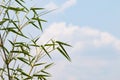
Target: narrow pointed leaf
21 4
45 51
49 65
24 52
3 21
37 8
59 42
39 22
23 73
16 8
64 54
41 75
45 72
38 64
16 26
23 60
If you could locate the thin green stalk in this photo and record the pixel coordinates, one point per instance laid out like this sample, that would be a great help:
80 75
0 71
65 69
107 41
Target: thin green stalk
7 62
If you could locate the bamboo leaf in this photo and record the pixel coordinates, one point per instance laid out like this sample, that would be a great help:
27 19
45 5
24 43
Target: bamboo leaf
59 42
11 42
32 60
49 65
8 28
16 78
39 22
40 25
38 64
24 52
16 25
18 1
33 23
39 19
12 30
62 50
5 49
16 9
45 72
48 44
45 51
3 6
3 21
37 39
23 60
64 54
33 8
23 73
21 44
41 75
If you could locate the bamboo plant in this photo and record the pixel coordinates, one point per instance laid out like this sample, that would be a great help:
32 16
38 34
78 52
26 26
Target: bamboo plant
20 54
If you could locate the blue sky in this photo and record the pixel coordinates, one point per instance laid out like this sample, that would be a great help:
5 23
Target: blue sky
102 14
92 28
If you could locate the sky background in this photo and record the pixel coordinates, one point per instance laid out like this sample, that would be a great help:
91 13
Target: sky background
92 27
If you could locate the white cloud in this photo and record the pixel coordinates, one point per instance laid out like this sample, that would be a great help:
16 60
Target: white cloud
51 6
61 8
68 4
72 78
82 38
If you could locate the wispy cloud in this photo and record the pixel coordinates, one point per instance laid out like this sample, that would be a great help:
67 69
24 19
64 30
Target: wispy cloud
62 7
83 38
51 6
67 4
80 37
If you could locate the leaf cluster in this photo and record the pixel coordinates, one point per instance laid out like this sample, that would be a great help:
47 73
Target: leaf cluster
19 62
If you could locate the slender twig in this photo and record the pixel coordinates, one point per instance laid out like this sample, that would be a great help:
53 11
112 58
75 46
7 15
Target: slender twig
7 62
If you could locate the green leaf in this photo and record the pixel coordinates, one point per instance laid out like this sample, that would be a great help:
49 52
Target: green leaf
40 25
21 44
12 29
38 64
31 60
18 1
23 60
59 42
22 72
48 44
18 33
36 39
16 25
16 9
33 23
45 72
16 78
39 19
8 28
45 51
36 8
64 53
2 69
3 21
5 49
41 75
62 50
11 42
39 22
24 52
49 65
3 6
